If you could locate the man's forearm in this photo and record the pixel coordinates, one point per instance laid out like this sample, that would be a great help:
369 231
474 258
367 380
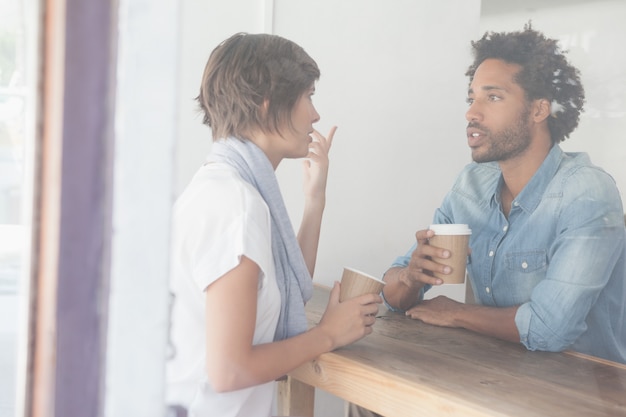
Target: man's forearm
490 321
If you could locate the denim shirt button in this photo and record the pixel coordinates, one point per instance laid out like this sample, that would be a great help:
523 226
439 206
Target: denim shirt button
505 228
491 253
524 265
487 290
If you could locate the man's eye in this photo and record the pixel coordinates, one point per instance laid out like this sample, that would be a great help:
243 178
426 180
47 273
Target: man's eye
469 100
494 98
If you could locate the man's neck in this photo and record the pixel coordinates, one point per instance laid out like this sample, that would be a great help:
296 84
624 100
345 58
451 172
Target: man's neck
518 171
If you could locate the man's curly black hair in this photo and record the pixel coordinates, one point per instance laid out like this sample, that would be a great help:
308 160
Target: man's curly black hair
545 73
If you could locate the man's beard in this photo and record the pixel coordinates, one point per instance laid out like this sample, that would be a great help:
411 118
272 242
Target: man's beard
508 143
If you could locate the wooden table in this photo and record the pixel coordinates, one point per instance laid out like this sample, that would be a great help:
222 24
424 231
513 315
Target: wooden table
406 368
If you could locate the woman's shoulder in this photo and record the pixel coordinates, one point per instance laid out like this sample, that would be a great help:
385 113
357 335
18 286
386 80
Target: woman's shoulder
218 187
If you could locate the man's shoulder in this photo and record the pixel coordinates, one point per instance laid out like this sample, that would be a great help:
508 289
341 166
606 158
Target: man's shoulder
577 168
585 187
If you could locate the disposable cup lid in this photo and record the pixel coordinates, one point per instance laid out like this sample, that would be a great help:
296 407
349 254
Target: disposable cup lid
451 229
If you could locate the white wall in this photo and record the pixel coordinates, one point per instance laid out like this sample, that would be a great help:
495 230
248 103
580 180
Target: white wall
145 136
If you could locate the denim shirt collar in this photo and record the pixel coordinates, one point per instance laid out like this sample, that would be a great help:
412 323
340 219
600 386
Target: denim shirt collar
530 196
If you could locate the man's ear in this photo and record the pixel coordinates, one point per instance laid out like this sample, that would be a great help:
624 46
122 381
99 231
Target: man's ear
541 110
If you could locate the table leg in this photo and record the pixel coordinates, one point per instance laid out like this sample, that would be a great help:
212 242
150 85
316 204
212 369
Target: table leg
295 398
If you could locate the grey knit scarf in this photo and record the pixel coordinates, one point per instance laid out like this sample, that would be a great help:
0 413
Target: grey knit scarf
293 278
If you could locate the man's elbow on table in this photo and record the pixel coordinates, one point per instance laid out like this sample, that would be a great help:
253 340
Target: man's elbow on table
536 334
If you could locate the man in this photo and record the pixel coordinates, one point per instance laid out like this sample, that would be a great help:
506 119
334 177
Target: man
548 251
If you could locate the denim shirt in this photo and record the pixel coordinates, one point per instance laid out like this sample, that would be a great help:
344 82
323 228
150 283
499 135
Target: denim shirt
560 256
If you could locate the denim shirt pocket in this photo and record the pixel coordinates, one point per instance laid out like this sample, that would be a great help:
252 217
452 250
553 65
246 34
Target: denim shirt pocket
526 262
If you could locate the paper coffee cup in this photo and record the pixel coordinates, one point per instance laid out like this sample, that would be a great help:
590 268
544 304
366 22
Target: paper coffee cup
455 238
355 283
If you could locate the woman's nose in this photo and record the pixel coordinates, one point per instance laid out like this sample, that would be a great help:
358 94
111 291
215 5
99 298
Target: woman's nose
316 116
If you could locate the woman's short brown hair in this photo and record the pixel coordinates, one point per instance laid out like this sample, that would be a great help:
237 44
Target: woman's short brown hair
246 71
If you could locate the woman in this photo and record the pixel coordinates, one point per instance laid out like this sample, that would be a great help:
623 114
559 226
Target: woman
240 276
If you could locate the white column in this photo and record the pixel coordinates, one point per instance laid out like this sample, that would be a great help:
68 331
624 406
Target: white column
145 130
